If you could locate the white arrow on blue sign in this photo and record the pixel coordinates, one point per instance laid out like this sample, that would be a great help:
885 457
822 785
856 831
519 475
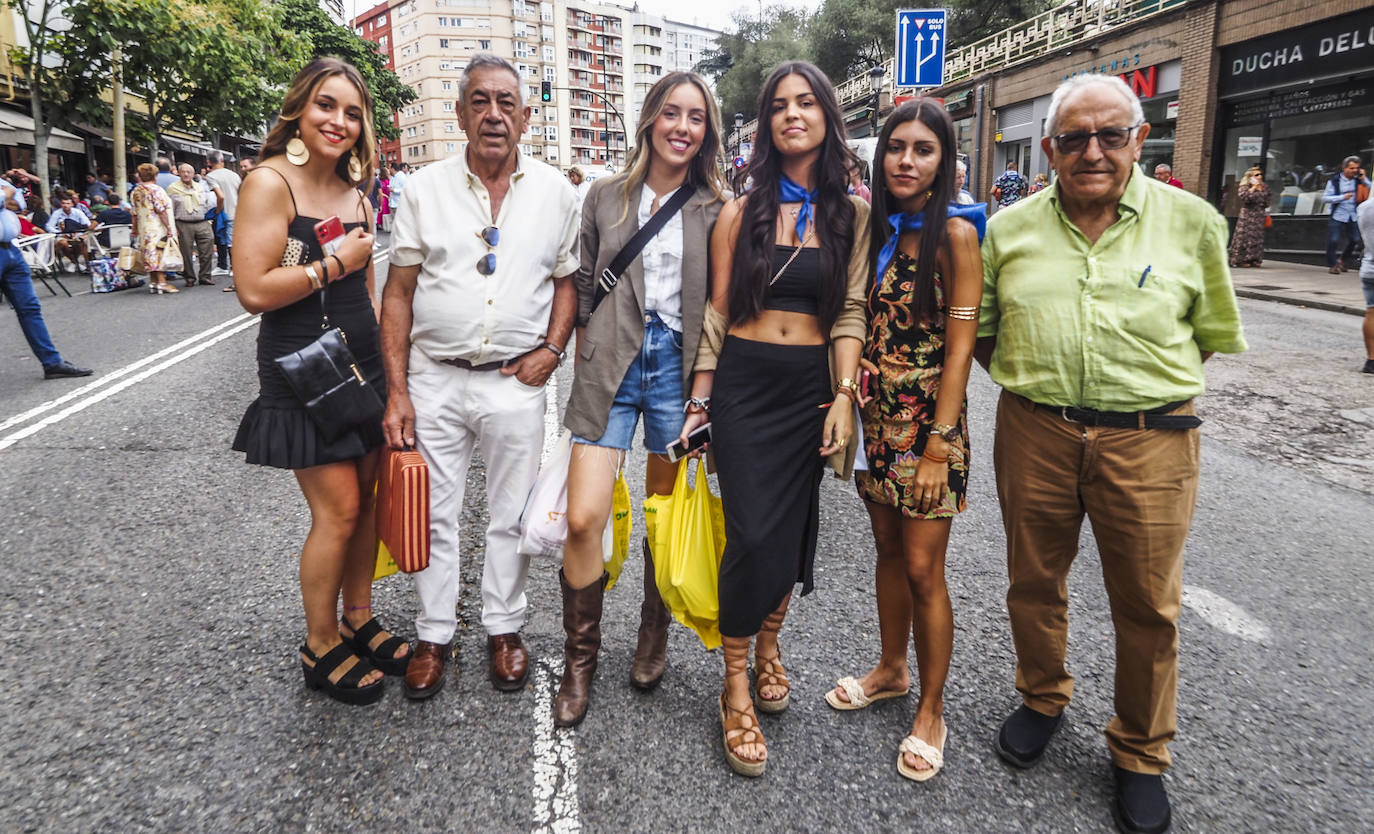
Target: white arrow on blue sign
920 48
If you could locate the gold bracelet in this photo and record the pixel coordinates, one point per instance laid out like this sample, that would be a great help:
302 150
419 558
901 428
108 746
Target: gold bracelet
313 277
848 384
963 313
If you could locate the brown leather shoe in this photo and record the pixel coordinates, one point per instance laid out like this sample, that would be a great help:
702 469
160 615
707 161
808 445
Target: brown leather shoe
651 655
582 625
510 662
425 672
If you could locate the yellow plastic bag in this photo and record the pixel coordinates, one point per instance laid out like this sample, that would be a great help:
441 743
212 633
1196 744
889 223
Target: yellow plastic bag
620 535
386 566
687 536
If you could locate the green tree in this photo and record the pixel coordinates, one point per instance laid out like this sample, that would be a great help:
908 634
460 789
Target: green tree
325 37
61 84
743 59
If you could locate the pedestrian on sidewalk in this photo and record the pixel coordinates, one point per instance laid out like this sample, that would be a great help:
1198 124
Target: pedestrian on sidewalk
478 308
228 184
646 335
789 271
1247 242
1365 219
190 204
1164 172
922 323
1096 417
1343 195
1010 187
314 158
16 283
69 225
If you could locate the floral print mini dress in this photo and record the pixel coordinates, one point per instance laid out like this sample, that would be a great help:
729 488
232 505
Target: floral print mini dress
910 357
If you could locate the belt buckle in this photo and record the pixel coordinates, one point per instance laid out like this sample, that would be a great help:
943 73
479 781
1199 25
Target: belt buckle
1064 413
608 279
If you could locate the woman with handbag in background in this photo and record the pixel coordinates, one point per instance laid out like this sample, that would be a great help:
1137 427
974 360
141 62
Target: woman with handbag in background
313 160
634 352
153 230
788 273
1247 242
923 321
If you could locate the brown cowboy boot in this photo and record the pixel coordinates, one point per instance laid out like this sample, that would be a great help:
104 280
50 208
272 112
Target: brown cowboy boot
651 655
582 625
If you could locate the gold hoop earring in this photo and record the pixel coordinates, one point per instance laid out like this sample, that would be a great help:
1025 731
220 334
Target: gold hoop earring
296 151
355 167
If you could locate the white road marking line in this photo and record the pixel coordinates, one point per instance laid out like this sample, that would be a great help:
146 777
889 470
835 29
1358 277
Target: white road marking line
556 808
555 764
1223 614
105 379
104 394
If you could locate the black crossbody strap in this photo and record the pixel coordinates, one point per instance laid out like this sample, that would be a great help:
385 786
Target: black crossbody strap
611 275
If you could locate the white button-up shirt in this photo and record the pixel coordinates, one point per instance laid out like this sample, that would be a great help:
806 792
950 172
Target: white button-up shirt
458 313
662 260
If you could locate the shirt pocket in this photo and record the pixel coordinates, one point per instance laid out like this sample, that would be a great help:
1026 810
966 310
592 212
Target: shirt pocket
1152 310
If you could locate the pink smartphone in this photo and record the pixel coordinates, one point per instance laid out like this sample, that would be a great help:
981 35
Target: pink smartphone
329 232
865 382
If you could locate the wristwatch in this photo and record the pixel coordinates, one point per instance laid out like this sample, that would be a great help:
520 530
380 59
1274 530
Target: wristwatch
557 351
945 430
700 404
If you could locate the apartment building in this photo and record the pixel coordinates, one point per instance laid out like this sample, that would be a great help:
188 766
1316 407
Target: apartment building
584 49
660 46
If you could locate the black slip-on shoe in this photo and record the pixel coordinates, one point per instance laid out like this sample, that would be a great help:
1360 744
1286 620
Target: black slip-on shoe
1025 734
1368 366
1142 805
66 369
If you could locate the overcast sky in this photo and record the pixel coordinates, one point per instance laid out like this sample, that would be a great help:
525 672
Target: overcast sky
715 14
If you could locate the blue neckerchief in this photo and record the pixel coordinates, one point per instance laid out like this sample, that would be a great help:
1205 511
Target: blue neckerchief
977 214
790 192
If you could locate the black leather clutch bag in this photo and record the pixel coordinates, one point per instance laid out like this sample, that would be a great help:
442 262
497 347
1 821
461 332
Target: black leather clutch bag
326 378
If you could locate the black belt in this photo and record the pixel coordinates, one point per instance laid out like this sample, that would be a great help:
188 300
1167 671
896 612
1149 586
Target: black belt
6 244
1154 418
485 366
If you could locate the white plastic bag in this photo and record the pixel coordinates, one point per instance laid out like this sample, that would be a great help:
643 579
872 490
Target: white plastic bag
544 522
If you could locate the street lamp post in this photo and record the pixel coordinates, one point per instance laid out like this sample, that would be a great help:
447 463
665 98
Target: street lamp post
739 125
875 82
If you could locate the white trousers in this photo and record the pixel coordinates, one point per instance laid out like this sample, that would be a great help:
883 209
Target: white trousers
454 409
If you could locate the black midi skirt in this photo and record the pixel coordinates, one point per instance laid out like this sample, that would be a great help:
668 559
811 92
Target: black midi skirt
766 422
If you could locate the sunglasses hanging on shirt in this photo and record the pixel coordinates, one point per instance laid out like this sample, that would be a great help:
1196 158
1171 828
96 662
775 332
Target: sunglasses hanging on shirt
491 236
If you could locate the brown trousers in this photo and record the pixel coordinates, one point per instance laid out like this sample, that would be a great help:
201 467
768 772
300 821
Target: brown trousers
1138 488
196 236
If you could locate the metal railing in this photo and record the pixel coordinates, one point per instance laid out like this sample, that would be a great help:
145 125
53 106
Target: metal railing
1061 27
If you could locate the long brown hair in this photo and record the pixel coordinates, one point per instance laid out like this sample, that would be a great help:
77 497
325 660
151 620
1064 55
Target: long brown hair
936 211
753 260
297 99
704 169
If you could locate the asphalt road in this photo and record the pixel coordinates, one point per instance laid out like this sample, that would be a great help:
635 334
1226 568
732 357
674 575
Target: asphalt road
150 680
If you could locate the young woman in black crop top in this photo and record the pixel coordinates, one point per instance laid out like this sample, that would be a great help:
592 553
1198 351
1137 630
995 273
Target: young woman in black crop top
316 156
787 305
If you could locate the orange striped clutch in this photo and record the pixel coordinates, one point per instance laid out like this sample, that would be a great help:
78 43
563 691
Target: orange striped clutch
403 508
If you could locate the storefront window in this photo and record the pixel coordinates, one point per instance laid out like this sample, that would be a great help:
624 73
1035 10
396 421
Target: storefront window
1159 145
1304 153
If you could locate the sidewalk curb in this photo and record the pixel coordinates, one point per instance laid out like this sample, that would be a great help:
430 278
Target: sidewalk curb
1300 301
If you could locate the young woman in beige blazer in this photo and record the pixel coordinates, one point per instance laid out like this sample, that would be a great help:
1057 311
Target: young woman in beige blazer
634 359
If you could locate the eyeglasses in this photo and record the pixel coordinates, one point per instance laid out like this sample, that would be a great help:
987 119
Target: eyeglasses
491 236
1108 138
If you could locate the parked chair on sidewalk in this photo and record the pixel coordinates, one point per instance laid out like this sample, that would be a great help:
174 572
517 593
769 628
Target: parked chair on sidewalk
38 252
106 241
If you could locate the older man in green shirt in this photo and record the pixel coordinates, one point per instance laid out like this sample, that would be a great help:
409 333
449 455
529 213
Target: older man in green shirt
1103 296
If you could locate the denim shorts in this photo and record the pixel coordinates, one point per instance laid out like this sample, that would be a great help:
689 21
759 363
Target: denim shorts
653 387
1367 281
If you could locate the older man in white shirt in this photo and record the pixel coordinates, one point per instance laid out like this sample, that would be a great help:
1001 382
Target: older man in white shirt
478 308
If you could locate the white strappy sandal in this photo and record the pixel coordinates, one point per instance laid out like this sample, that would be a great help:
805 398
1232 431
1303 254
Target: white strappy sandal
857 698
934 756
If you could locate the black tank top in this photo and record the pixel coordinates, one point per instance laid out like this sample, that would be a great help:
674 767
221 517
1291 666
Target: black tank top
798 288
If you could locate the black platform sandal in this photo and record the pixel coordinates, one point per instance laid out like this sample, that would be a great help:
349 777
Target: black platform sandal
344 686
366 642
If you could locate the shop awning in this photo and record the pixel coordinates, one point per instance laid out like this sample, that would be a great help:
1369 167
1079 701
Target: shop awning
17 129
187 146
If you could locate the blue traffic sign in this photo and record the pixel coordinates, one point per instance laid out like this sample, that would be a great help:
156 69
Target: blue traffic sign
920 55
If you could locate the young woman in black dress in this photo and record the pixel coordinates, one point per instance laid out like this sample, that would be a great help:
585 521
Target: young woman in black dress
788 272
922 323
312 163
